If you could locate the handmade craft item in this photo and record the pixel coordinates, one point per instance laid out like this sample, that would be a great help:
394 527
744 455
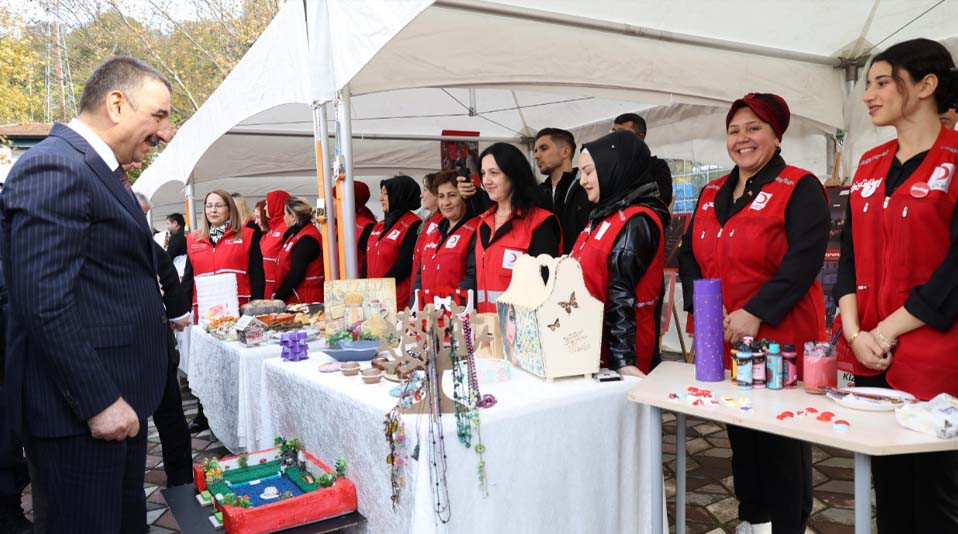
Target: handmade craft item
709 334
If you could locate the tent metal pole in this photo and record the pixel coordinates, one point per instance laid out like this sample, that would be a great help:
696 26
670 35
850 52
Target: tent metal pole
538 15
326 212
345 120
190 205
381 137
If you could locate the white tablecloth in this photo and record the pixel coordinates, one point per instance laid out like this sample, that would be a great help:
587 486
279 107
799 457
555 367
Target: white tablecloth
226 377
569 456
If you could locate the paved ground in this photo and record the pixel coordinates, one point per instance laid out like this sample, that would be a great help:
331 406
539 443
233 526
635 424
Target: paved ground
712 507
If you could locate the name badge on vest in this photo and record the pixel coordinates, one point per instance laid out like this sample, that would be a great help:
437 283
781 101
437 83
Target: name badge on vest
761 200
276 234
509 258
941 178
432 227
198 246
452 242
602 230
393 235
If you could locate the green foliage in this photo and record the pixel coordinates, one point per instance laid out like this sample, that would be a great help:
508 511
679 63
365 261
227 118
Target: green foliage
341 466
343 335
326 480
243 460
230 499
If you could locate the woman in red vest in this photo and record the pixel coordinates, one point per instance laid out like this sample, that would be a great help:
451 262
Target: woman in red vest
392 241
621 249
445 250
365 221
763 230
300 259
513 226
431 219
273 240
222 245
897 285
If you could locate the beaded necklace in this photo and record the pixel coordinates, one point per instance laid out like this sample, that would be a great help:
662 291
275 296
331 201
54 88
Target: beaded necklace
437 442
476 401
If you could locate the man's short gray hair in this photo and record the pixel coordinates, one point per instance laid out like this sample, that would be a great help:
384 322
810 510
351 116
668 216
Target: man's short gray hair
119 73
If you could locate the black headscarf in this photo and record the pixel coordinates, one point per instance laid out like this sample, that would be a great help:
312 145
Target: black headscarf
403 194
622 162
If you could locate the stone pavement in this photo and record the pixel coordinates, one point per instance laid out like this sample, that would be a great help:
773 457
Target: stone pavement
712 507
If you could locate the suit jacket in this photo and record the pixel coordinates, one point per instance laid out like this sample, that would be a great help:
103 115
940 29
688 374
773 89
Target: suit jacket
176 303
87 324
177 245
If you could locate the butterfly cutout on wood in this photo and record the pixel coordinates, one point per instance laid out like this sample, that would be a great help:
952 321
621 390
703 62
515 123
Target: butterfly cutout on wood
567 306
554 325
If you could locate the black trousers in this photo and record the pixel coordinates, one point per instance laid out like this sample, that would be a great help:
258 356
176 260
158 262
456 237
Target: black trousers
915 493
91 485
172 428
773 479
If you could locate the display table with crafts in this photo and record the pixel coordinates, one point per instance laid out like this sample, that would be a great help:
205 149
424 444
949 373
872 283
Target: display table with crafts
226 377
567 456
790 412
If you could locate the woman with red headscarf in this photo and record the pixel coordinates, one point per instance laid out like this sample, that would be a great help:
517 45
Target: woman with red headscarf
272 240
762 229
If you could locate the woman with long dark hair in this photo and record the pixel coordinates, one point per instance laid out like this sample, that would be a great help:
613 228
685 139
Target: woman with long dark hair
897 285
511 227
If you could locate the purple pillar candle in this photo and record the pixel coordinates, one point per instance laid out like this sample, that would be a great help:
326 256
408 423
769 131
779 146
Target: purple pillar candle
709 336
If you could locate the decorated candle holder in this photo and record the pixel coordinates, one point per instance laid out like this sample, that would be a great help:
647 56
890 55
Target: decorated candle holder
709 336
294 346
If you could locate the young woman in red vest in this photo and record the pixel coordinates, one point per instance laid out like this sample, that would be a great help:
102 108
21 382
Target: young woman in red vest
763 230
897 285
513 226
431 219
621 249
222 245
444 254
392 241
300 259
273 239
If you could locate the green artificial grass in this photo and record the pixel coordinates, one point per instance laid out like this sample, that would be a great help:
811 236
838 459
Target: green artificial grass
296 476
254 472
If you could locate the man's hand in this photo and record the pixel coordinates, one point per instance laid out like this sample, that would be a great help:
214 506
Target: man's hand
466 187
739 324
115 423
180 324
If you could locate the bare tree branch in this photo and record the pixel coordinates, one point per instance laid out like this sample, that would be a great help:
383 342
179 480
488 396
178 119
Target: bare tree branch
187 34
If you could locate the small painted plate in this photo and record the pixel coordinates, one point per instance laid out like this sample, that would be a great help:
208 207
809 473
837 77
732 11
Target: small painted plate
871 405
353 351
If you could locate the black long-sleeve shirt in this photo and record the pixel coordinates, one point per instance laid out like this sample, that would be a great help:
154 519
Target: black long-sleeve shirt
569 203
402 268
304 252
935 302
806 228
257 278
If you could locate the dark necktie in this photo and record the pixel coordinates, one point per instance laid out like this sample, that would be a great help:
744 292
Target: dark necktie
124 178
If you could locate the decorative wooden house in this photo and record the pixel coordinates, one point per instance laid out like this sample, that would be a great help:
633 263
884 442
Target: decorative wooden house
551 329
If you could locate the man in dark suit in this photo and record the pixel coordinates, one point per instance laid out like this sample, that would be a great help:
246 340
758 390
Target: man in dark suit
169 418
175 228
87 347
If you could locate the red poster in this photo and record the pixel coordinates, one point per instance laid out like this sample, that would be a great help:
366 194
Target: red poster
460 156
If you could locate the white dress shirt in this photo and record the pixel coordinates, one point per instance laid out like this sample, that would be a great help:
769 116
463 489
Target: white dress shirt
97 142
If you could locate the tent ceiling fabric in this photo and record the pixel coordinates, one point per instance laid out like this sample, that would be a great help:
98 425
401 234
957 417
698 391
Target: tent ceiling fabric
573 64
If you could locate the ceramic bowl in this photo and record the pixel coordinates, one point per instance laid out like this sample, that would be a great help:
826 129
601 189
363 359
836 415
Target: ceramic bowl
372 376
350 368
353 351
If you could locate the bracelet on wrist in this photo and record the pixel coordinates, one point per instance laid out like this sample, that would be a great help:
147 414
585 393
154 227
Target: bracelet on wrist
852 339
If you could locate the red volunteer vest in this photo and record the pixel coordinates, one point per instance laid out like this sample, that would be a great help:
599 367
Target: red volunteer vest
311 288
444 260
230 255
494 264
899 241
270 244
747 252
430 229
382 252
593 248
362 222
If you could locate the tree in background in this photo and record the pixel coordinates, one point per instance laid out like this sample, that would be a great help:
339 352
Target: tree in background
21 96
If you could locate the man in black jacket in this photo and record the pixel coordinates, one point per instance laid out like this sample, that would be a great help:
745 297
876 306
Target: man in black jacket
175 224
658 167
560 191
169 418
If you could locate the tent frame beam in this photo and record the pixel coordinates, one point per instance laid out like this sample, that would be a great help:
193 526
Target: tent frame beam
488 8
382 137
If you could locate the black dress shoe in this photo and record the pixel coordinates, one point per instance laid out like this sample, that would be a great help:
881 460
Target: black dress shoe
199 424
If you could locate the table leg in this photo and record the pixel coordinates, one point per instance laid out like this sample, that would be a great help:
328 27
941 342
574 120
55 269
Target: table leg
863 494
658 490
680 473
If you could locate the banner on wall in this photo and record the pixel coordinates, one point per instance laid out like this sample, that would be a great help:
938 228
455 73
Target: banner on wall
837 204
460 156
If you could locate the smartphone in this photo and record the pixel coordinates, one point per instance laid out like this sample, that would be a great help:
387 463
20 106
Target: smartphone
606 375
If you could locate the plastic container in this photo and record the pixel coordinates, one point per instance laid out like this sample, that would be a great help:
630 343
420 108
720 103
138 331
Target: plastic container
820 368
743 361
790 365
758 366
774 367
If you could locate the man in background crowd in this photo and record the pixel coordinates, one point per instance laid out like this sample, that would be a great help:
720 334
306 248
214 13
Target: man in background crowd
561 192
658 167
175 228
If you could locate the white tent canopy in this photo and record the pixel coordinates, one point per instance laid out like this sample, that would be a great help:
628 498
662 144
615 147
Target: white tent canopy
410 65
